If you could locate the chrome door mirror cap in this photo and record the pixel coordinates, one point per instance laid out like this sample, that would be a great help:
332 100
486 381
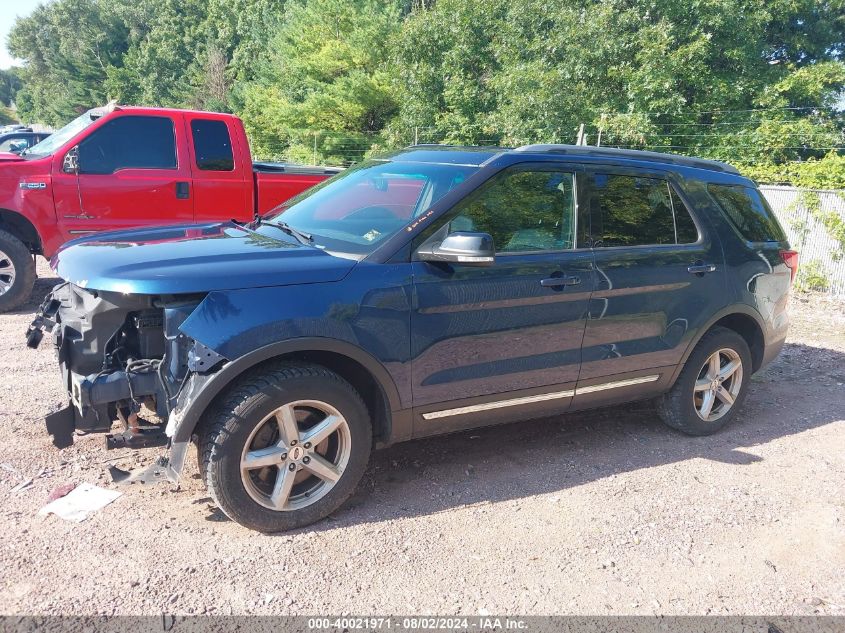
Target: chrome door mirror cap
468 249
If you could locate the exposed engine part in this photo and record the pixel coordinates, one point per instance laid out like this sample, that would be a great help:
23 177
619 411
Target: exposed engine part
138 433
142 438
149 328
117 352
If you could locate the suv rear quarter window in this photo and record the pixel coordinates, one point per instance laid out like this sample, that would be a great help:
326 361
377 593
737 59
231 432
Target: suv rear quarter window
748 211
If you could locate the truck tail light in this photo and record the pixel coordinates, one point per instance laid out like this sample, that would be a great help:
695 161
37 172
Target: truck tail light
790 258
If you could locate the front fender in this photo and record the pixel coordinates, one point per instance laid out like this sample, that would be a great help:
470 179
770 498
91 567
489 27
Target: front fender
370 326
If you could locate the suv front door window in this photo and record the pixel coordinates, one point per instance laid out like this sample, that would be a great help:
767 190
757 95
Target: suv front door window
524 211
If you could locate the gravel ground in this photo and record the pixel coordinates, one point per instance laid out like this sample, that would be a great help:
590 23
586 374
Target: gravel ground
607 512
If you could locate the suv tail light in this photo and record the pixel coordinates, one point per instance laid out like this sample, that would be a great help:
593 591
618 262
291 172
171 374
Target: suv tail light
790 258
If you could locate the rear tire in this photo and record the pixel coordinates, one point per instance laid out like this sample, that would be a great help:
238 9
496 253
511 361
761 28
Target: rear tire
711 387
286 447
17 272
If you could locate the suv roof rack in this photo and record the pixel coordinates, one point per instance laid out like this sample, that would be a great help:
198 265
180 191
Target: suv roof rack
629 154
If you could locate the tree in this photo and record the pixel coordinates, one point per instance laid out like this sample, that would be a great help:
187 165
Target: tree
191 52
326 71
68 47
714 77
330 80
10 83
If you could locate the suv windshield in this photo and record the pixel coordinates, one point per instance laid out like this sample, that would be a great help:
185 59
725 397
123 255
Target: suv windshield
363 206
62 136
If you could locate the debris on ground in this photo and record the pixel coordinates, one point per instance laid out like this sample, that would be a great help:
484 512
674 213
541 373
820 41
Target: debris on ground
60 491
80 502
26 483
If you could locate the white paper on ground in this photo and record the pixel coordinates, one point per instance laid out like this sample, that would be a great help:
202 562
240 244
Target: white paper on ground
80 502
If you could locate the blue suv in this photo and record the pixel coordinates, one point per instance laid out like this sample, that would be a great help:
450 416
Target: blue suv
428 291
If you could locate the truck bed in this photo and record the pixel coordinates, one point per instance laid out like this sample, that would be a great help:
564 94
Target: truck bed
276 182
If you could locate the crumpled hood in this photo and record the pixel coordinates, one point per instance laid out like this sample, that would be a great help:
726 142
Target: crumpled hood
194 258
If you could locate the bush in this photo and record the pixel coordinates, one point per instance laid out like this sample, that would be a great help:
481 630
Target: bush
812 276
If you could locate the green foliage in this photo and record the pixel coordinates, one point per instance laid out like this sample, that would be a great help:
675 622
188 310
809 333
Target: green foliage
812 276
7 116
10 83
832 221
326 71
750 82
69 47
826 173
710 78
187 53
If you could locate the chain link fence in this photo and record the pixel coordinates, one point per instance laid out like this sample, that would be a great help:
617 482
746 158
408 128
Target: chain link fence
814 220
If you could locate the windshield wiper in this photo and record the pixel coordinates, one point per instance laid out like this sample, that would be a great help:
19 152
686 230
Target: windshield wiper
305 238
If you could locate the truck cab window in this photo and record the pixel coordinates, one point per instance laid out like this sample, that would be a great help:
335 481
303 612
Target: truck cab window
129 142
212 145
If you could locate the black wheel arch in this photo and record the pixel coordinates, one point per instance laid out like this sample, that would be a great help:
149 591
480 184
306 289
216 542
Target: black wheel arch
18 225
743 320
354 364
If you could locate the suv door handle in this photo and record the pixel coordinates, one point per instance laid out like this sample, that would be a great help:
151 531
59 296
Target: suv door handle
554 282
183 190
700 268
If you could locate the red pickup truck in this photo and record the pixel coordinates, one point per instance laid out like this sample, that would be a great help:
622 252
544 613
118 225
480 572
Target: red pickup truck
118 167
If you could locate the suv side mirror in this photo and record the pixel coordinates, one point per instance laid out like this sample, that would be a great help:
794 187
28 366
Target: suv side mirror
70 164
468 249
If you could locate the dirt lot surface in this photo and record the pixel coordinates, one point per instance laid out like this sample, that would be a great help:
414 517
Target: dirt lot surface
607 512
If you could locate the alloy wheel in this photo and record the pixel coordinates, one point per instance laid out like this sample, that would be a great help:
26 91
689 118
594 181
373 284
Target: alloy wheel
296 455
7 273
718 384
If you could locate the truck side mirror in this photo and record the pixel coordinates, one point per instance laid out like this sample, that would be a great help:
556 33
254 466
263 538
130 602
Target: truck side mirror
70 164
468 249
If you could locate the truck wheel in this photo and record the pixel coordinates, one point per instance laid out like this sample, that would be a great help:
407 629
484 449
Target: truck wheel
712 385
286 447
17 272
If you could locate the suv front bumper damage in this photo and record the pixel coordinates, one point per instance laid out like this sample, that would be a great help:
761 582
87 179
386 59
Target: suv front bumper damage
118 352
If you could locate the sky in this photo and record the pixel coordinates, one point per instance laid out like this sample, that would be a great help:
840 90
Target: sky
9 10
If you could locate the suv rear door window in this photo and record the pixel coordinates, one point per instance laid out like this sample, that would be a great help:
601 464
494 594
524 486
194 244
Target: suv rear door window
524 211
631 211
212 145
638 211
129 142
748 211
685 229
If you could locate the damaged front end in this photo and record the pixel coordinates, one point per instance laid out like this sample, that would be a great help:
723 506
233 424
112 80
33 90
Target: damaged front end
122 358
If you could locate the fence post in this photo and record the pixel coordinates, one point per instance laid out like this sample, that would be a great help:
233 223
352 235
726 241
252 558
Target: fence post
315 149
416 135
580 140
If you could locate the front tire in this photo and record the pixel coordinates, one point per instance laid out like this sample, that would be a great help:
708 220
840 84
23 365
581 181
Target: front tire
712 385
17 272
286 447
